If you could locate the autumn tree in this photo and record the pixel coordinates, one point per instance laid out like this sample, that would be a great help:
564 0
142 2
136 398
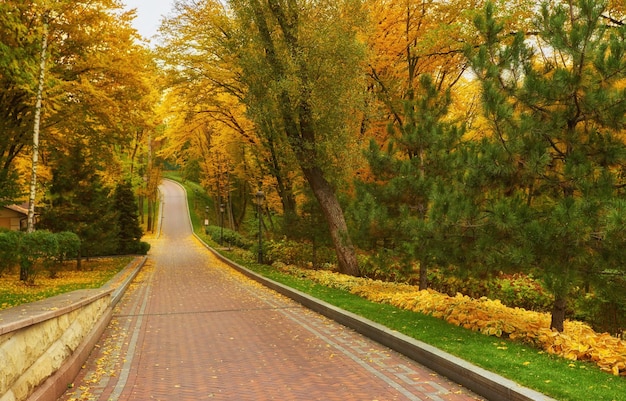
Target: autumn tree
207 125
301 64
20 49
98 83
411 38
107 83
552 164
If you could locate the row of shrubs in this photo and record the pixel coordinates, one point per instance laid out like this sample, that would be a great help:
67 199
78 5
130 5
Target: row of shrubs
229 237
514 290
36 251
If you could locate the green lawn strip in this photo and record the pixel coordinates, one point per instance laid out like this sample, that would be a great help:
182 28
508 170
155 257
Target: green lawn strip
556 377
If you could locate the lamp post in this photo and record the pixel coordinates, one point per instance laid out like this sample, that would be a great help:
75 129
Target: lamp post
221 224
228 216
206 219
259 201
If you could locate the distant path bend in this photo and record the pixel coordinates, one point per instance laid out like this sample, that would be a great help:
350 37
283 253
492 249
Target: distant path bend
191 328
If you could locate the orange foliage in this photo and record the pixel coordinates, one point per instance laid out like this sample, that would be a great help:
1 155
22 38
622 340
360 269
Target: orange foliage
490 317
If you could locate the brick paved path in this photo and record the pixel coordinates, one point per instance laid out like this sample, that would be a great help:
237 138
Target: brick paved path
190 328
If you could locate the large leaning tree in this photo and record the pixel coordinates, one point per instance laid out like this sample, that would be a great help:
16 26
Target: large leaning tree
302 62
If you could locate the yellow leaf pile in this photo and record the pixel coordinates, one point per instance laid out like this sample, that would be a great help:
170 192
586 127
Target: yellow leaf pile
577 342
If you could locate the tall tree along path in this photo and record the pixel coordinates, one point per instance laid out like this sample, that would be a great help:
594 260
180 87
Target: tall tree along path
191 328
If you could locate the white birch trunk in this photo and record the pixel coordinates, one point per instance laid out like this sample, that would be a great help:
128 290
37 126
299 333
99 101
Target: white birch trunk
33 180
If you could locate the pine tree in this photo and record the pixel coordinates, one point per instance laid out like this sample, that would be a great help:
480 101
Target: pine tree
80 204
130 233
552 162
418 161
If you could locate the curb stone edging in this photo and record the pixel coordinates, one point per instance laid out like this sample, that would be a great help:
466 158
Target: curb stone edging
482 382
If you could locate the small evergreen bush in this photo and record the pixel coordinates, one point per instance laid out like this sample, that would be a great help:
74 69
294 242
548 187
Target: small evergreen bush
69 245
297 253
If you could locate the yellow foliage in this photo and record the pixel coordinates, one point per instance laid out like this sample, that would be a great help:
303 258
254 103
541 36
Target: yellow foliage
490 317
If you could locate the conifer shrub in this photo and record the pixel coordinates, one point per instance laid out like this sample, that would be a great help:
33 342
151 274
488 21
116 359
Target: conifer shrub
605 307
69 245
383 265
128 229
142 248
519 290
515 290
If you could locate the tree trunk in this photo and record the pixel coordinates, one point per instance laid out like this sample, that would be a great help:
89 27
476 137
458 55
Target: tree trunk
558 313
423 276
331 208
35 160
150 219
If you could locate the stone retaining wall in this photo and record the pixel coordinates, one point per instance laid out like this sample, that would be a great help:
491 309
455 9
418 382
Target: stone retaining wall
36 339
43 344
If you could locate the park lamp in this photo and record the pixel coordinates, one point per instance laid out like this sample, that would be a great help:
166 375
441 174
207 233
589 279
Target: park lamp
221 224
206 219
259 201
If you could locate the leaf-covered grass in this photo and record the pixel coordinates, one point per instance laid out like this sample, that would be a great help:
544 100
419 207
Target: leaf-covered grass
94 274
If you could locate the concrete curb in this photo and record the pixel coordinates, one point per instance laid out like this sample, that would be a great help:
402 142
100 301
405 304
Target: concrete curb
121 289
484 383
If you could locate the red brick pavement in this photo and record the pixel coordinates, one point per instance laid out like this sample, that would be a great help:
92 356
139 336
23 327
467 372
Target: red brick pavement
190 328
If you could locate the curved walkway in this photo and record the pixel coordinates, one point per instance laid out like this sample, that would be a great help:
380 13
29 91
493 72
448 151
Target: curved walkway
191 328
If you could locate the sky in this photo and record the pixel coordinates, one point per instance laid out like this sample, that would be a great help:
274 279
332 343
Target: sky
149 13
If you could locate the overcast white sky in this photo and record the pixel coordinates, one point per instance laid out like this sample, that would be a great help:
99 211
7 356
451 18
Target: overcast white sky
149 13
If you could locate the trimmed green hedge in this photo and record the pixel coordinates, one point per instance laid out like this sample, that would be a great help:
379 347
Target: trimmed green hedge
9 250
233 238
39 250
